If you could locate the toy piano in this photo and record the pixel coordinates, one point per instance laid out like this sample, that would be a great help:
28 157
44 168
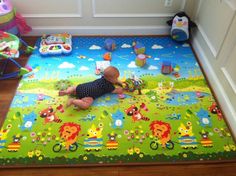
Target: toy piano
56 44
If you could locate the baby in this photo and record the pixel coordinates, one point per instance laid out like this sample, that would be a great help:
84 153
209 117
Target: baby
87 92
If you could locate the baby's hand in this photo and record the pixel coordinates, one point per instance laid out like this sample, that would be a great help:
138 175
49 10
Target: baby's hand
118 90
120 83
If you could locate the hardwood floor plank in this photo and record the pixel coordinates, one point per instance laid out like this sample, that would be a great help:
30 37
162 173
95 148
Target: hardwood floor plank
226 169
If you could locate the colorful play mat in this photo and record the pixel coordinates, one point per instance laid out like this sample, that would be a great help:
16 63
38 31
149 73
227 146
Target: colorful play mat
167 114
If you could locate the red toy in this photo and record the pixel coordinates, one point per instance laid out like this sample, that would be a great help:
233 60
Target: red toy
166 67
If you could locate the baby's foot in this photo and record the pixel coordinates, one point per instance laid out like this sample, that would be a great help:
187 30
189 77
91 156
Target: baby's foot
69 102
62 93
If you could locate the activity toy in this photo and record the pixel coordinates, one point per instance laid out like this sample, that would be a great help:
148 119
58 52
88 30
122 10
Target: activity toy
133 83
101 66
140 60
139 48
107 56
110 44
56 44
166 67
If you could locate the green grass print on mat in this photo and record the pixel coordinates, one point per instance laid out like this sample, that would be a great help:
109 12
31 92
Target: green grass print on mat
174 119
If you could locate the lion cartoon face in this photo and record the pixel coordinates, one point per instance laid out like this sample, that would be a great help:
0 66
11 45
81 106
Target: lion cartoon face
69 131
160 129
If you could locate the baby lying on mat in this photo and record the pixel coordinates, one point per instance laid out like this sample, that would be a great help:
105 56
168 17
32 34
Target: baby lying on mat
86 93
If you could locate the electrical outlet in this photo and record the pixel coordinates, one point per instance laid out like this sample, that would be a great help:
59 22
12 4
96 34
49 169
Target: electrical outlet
168 3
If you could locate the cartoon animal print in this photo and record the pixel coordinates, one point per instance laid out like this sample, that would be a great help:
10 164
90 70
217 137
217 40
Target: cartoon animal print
15 145
3 136
49 114
136 114
186 130
161 130
205 141
28 121
69 133
214 109
94 132
94 140
187 138
112 144
204 118
118 119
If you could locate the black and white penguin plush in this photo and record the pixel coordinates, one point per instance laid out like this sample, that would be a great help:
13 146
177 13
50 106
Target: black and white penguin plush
181 26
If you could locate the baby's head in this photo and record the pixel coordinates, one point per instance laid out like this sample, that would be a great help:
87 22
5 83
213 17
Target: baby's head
111 74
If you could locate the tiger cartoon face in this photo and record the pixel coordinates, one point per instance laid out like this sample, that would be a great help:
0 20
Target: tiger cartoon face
49 115
135 112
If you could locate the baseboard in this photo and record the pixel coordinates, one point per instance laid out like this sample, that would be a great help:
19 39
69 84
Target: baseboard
217 87
101 30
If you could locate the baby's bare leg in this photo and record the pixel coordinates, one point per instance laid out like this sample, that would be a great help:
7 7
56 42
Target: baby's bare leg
83 103
68 91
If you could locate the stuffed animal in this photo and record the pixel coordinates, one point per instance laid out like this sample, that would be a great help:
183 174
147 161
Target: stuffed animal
11 21
181 26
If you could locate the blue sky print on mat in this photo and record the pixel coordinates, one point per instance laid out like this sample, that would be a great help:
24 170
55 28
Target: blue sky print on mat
86 52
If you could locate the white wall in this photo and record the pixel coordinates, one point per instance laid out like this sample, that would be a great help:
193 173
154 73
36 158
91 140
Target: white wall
98 16
215 44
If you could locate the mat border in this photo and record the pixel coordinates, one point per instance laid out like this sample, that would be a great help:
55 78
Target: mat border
128 164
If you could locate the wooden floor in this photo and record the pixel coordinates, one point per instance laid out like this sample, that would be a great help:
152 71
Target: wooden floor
7 91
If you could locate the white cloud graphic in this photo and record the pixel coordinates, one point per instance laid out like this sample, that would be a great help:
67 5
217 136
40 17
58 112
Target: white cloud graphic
152 67
90 59
83 68
156 58
185 45
132 65
126 46
157 46
95 47
66 65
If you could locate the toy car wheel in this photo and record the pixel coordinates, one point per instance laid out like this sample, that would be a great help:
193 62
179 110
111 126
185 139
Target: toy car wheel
57 147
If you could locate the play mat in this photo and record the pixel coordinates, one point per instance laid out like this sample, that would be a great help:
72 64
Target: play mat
167 114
